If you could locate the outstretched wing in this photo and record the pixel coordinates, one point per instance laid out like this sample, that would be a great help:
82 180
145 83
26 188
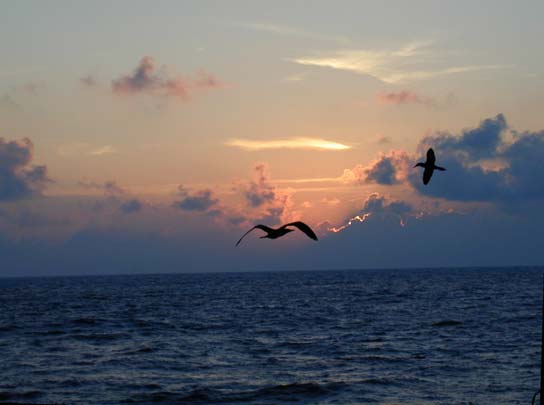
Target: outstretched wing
427 174
303 227
263 227
430 157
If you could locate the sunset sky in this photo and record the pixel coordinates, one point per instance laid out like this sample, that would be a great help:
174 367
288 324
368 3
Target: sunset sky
147 137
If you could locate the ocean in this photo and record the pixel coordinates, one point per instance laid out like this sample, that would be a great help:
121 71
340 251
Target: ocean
434 336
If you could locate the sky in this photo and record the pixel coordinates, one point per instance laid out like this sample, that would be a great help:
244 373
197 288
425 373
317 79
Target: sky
138 137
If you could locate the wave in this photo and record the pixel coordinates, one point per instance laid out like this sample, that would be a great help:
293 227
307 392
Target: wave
446 323
13 395
84 321
281 392
99 336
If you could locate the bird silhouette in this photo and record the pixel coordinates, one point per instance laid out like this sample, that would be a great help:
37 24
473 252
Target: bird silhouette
429 166
272 233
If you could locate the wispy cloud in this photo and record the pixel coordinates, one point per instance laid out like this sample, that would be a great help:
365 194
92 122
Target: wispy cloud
287 143
408 63
81 148
104 150
310 180
297 77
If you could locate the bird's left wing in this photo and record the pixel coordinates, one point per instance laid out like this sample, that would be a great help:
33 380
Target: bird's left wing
263 227
304 228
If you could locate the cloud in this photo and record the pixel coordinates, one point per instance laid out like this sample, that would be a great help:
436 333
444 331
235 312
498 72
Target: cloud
147 79
7 101
288 143
265 202
388 169
103 150
401 97
488 163
472 144
404 64
382 140
117 198
470 177
297 77
19 179
376 205
88 81
110 187
199 200
260 191
130 206
330 201
82 148
31 87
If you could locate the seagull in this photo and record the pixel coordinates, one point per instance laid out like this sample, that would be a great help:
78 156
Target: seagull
272 233
429 166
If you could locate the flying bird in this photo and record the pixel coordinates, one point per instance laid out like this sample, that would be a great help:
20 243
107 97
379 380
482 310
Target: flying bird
272 233
429 166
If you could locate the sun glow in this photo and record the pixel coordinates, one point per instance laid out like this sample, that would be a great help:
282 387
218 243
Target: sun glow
288 143
357 218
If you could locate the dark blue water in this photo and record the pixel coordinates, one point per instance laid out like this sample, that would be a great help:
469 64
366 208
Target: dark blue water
365 337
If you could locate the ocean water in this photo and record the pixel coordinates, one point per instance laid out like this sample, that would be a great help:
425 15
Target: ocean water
444 336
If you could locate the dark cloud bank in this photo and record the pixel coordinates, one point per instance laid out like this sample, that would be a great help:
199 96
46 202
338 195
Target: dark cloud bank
19 179
494 168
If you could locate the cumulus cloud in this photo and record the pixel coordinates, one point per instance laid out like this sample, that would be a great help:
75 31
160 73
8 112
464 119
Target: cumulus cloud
18 178
116 195
488 163
376 205
147 79
268 202
130 206
472 144
388 169
110 187
197 200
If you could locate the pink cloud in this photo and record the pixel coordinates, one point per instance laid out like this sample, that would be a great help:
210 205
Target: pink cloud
147 79
402 97
88 81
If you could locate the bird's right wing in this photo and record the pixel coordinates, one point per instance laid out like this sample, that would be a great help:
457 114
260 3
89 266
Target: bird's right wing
430 157
263 227
304 228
